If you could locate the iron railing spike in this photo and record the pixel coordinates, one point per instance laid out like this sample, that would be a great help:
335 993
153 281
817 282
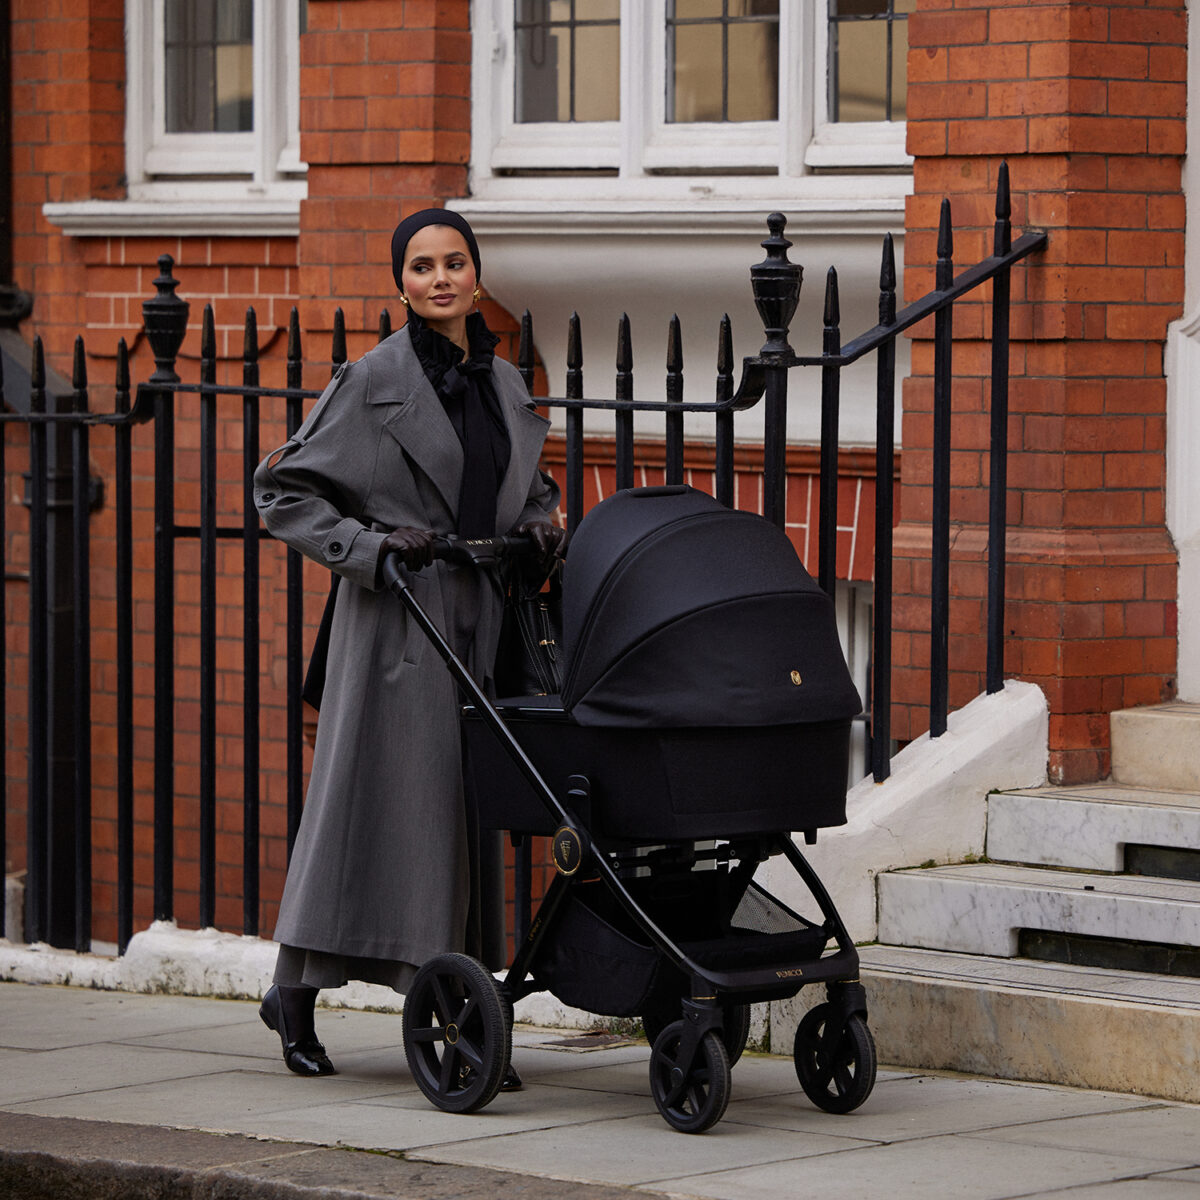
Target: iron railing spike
79 368
833 307
887 282
574 343
945 249
674 344
337 354
250 337
123 383
37 373
208 335
294 351
1002 242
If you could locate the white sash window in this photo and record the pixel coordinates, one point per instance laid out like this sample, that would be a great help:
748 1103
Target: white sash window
214 97
644 88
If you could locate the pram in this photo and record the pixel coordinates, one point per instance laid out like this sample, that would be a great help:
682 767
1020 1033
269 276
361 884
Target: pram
705 714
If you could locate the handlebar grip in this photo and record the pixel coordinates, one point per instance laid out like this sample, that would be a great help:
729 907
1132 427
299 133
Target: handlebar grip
481 552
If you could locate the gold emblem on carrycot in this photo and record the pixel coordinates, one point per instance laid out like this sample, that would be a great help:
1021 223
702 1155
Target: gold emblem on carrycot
796 678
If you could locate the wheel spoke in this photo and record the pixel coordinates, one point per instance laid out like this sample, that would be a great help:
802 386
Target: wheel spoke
449 1076
441 1002
465 1013
432 1034
472 1053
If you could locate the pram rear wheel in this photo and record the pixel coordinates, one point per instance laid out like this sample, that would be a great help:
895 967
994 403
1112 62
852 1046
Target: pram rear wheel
837 1077
457 1034
735 1027
694 1100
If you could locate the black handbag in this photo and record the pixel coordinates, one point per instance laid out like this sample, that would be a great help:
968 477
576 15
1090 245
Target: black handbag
529 660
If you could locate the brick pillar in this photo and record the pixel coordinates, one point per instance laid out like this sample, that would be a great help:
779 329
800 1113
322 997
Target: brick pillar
1086 103
68 132
385 121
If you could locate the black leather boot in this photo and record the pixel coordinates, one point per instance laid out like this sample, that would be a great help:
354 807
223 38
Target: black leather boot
289 1012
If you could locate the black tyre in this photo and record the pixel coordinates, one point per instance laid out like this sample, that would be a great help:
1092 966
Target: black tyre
457 1033
837 1080
735 1027
694 1101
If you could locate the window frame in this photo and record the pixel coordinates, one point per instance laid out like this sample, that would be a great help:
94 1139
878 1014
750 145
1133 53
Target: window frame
642 144
263 162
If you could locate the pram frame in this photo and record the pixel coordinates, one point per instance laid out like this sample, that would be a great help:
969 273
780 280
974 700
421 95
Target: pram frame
702 1010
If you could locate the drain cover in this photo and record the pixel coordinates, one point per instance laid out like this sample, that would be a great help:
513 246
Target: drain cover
584 1043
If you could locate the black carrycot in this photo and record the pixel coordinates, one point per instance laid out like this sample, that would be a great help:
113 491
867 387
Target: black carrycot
705 693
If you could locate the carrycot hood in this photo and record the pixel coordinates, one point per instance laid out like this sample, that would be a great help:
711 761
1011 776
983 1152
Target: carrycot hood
678 611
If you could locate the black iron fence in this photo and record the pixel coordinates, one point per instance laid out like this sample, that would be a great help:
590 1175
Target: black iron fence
58 784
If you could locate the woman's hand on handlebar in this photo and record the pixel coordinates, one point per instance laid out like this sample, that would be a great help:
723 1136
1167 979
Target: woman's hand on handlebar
550 540
415 546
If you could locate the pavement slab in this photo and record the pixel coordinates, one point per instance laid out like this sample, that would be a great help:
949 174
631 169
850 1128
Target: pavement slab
108 1095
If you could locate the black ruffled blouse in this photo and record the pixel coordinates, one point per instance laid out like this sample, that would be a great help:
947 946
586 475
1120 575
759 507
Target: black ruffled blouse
463 383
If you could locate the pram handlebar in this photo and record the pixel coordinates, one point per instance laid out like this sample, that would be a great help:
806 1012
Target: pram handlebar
482 552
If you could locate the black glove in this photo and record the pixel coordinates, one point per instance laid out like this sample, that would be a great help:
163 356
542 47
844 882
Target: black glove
550 540
415 546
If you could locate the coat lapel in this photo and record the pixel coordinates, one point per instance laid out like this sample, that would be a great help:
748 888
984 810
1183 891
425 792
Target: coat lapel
419 422
526 435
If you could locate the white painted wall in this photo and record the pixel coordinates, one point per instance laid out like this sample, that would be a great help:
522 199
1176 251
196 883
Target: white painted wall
932 807
1183 403
653 261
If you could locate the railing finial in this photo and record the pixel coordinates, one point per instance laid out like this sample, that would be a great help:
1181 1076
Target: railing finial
165 316
776 283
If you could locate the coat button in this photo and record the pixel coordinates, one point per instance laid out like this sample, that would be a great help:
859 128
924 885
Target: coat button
335 547
268 497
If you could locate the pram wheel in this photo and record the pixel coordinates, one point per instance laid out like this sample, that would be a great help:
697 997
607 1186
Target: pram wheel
457 1035
839 1078
696 1101
735 1027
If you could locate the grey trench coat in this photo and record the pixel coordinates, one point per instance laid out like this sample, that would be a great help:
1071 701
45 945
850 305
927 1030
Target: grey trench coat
380 867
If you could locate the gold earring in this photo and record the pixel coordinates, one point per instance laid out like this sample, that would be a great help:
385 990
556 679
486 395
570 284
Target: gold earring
404 299
476 294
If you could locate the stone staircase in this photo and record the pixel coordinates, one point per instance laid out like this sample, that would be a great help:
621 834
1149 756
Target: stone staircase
1072 953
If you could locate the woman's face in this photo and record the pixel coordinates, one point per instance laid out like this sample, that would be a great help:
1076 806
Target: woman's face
439 277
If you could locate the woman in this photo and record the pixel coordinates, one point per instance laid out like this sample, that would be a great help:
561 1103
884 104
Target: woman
427 434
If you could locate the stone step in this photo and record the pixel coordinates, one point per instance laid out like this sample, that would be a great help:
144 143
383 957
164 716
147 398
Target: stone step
1017 1019
1088 826
979 908
1157 747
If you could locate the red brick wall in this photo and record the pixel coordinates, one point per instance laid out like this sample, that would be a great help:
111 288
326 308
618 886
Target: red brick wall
1086 103
385 129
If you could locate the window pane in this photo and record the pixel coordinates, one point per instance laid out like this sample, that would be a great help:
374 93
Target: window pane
722 60
597 10
209 61
567 60
753 72
868 45
597 73
543 89
698 62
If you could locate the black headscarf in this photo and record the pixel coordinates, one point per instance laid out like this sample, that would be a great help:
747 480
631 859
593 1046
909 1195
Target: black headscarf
419 220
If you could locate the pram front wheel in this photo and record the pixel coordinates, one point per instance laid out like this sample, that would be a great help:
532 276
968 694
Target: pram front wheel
690 1100
735 1027
835 1076
457 1035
